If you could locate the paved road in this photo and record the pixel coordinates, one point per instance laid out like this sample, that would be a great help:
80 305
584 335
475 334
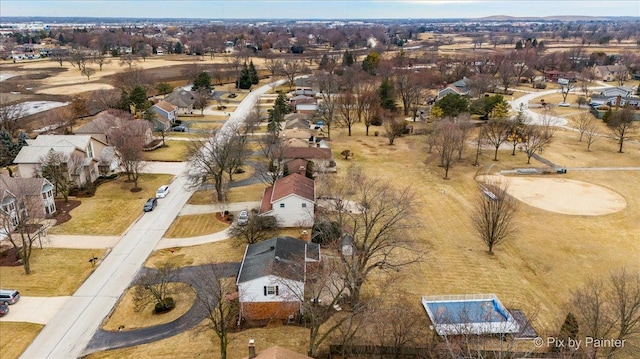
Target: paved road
69 331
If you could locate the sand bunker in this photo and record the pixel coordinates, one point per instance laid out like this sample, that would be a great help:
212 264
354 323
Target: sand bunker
73 89
562 195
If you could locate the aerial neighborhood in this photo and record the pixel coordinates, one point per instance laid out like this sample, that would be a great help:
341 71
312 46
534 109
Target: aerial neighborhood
279 188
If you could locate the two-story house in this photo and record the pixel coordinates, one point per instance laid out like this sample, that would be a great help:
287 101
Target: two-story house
272 277
20 197
83 150
166 115
290 200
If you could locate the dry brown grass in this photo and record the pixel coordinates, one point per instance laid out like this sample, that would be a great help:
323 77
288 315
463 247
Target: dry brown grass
126 315
201 197
215 252
246 193
195 225
113 208
54 272
205 126
204 344
16 337
174 151
534 271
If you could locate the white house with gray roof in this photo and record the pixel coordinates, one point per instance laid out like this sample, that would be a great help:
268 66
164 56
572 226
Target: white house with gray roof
272 277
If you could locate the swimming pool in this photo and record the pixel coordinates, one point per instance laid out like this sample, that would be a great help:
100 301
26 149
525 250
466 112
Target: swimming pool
473 314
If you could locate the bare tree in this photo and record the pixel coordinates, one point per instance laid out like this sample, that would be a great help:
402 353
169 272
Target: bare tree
622 125
394 127
534 139
379 217
609 309
257 229
100 59
10 116
494 213
566 88
592 134
274 65
496 132
328 83
446 144
201 99
23 209
128 139
272 149
214 293
128 60
584 121
290 69
61 170
211 159
348 110
153 287
88 71
131 78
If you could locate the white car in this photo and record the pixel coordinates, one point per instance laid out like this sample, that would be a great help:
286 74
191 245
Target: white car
564 104
162 191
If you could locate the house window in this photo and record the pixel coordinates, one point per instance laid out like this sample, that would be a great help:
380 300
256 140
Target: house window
50 209
304 205
90 150
281 205
270 290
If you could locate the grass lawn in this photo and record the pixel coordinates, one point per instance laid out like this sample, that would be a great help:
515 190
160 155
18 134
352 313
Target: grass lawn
551 255
195 225
174 151
246 193
126 315
215 252
206 118
205 126
16 337
204 344
54 272
113 208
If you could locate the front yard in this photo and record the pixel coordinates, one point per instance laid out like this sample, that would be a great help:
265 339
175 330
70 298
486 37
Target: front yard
113 207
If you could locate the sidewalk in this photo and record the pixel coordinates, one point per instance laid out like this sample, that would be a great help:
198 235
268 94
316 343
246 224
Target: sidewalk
192 241
79 242
189 209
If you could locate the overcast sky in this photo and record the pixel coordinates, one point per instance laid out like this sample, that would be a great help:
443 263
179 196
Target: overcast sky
328 9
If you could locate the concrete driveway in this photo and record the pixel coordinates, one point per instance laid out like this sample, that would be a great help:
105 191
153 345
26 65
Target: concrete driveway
38 310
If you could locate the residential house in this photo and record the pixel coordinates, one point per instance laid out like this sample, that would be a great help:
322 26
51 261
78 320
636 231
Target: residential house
297 165
166 115
272 277
84 150
304 86
109 119
182 99
610 72
290 200
320 156
304 104
460 87
614 96
33 195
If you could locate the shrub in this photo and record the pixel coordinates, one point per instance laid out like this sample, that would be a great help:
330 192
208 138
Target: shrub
325 232
167 306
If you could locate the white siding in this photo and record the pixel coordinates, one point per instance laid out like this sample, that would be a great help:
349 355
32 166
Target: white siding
293 214
288 290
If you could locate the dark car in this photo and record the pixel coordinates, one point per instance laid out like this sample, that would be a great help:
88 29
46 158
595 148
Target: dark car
150 204
179 129
4 309
243 218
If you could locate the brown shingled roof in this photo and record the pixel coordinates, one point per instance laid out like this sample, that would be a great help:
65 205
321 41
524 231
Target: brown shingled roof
307 153
166 106
292 184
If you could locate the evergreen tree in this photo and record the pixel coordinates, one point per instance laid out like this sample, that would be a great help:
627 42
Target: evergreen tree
324 61
244 81
452 105
371 62
276 115
7 148
177 48
519 45
203 81
253 74
124 103
138 98
348 58
387 95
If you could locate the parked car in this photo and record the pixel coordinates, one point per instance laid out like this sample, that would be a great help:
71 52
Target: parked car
243 218
9 296
179 129
162 192
4 309
150 204
564 104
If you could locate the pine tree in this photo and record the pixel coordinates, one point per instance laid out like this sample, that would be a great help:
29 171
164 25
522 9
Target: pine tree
253 74
244 81
387 96
202 81
6 148
348 58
